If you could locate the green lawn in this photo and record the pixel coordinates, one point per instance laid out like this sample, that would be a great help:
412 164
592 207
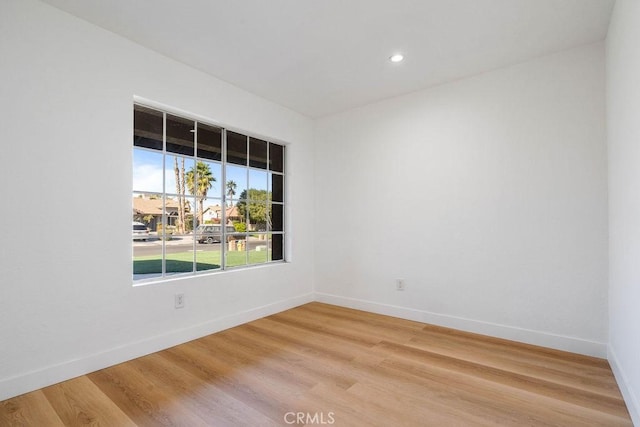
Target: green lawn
183 262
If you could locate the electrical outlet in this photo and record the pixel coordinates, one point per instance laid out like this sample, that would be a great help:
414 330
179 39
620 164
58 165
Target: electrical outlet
400 285
179 300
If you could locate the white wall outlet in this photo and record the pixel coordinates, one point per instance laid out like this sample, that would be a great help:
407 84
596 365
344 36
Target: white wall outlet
400 285
179 300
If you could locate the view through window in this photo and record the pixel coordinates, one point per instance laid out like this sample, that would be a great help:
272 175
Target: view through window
204 198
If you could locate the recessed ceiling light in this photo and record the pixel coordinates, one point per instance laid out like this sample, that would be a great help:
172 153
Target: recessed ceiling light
396 58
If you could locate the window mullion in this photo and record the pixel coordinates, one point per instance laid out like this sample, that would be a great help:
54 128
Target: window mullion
164 194
196 206
223 208
246 229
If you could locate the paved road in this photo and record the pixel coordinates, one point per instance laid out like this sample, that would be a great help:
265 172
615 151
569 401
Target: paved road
180 244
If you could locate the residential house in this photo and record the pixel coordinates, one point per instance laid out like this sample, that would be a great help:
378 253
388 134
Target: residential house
148 210
214 214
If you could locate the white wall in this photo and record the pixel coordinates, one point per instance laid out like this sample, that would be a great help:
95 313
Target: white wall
623 133
487 195
67 304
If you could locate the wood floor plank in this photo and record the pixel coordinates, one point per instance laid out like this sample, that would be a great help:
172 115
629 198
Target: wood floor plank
373 319
196 395
307 322
500 403
331 347
141 398
320 363
414 410
368 331
32 409
79 402
330 399
250 386
522 349
298 359
557 391
599 383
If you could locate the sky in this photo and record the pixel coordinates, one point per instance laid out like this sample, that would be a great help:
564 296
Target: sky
147 174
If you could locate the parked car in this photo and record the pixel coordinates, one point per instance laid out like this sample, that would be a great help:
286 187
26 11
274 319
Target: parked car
140 231
209 233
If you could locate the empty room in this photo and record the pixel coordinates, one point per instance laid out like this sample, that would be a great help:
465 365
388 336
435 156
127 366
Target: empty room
350 213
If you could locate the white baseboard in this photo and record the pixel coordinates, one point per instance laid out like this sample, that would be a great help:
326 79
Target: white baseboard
35 380
544 339
630 398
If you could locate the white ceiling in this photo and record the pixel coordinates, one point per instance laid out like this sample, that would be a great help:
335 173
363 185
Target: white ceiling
320 57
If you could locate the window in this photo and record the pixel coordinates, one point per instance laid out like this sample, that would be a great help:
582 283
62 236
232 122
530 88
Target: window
204 198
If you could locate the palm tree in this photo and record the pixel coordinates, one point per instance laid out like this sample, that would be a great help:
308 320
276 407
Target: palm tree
199 181
179 172
231 190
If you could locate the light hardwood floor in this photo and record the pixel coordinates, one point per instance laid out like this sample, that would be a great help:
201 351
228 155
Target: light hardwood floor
335 366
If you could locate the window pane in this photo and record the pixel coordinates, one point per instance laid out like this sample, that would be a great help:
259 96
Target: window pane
147 128
258 180
236 253
258 216
176 224
209 142
234 215
171 215
277 247
190 212
180 135
179 242
257 153
179 255
276 157
257 245
176 170
277 187
236 148
147 209
217 187
231 191
200 181
147 253
212 211
208 236
277 217
147 171
209 256
236 179
209 176
255 210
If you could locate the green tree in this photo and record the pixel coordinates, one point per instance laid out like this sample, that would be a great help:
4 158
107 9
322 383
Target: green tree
199 180
179 173
231 190
256 208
